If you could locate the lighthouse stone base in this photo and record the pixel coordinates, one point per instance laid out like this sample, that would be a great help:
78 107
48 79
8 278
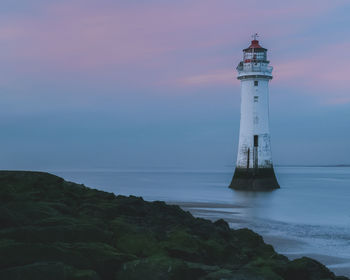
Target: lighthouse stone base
254 179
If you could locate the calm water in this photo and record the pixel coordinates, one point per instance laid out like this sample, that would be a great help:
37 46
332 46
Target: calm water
309 215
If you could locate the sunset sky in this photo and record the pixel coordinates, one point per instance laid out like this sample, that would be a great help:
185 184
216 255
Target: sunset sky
144 84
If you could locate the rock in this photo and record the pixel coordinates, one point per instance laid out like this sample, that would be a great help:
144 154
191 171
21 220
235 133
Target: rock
47 270
307 269
157 267
53 229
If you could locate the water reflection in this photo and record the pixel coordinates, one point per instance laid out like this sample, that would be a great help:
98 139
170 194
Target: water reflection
254 204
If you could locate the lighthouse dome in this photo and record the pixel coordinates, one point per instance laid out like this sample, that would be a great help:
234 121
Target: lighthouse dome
255 47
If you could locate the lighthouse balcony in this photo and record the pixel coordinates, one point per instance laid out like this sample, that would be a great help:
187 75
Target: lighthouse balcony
254 69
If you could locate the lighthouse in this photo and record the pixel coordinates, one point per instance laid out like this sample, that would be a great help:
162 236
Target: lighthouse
254 169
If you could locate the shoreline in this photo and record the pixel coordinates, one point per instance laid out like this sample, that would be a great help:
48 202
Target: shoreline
290 247
59 223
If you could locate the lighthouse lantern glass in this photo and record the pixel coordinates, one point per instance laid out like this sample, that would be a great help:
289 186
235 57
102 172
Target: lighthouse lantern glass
252 56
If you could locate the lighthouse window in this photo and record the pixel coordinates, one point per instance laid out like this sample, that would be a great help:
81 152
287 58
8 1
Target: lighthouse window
256 83
256 98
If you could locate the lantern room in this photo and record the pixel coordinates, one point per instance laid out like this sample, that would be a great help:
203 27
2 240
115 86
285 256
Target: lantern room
254 53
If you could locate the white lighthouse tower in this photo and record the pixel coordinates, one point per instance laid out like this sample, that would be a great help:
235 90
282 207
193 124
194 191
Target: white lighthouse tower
254 168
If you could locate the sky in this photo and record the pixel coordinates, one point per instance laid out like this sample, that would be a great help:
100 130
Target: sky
89 84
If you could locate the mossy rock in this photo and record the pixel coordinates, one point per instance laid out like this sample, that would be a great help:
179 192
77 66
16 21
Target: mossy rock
57 233
46 270
159 267
52 227
306 269
102 258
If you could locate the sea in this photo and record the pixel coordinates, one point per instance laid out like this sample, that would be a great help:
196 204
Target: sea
308 216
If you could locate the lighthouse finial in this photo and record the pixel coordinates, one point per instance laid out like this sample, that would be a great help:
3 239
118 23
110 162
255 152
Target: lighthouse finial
255 36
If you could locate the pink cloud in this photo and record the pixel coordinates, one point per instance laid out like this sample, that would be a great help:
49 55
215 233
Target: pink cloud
156 43
221 77
323 71
80 34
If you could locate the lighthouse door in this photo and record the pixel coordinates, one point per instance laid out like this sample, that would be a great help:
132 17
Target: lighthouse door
248 156
255 151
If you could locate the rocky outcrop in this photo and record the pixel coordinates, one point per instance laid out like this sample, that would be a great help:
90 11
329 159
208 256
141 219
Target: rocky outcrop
53 229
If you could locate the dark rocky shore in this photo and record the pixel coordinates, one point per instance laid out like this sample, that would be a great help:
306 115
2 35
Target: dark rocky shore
53 229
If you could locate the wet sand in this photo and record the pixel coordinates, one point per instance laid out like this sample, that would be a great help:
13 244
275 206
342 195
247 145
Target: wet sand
292 248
